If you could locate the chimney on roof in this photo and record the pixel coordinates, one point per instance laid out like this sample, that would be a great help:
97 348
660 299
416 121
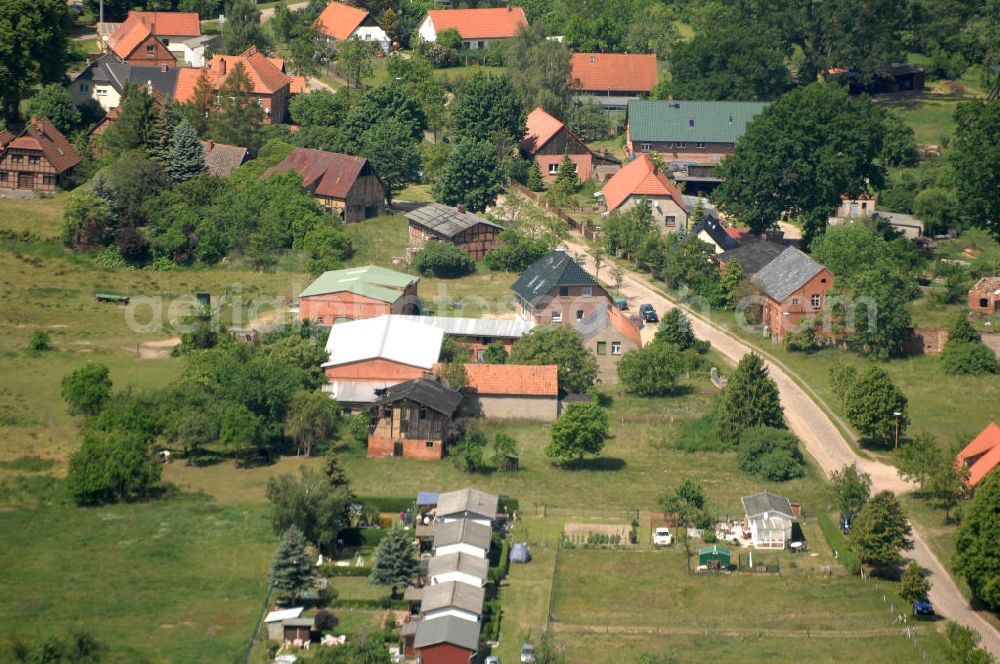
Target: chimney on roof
211 144
461 208
222 66
149 86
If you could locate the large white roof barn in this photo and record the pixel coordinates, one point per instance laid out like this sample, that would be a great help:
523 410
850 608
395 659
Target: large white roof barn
386 337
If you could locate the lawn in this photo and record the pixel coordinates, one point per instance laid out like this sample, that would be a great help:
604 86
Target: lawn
177 580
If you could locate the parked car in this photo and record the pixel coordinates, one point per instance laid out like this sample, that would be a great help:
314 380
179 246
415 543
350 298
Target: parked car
845 522
923 607
648 313
621 303
637 321
492 659
662 537
527 653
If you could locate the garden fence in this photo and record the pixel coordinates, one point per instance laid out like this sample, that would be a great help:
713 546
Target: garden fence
256 629
593 512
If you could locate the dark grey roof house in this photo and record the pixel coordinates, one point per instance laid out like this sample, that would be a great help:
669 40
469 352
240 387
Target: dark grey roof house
552 271
754 255
462 532
467 504
453 225
709 230
787 273
428 393
767 504
447 630
452 594
111 71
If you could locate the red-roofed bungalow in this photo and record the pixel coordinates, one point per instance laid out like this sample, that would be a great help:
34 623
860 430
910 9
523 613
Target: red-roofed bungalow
478 27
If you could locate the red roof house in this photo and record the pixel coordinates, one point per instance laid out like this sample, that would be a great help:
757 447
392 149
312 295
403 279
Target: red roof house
346 185
144 38
38 158
981 455
547 139
271 86
640 180
621 74
478 27
340 22
515 392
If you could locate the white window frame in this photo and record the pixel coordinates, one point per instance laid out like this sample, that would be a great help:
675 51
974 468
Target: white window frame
795 300
680 145
815 300
151 49
645 147
700 146
670 220
553 168
102 92
587 291
557 316
616 348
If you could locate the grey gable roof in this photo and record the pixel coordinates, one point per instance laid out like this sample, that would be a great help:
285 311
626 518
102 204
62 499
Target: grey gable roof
759 503
429 393
754 256
468 501
463 531
452 594
786 274
458 562
556 269
445 220
449 629
112 71
716 232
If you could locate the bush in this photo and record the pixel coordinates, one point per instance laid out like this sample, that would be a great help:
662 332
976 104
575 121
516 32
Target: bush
357 425
771 453
439 259
709 537
40 341
973 358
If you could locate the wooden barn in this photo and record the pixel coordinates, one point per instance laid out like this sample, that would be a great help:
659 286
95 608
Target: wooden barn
346 186
412 420
454 225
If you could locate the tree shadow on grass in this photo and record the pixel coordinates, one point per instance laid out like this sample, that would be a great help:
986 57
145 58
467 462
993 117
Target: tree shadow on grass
596 463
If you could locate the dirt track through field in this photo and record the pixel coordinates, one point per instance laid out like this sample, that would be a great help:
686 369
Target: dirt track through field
822 440
567 628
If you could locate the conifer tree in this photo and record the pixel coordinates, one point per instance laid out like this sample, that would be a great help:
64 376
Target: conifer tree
241 115
750 399
292 571
567 176
395 563
199 110
187 158
535 177
135 120
161 135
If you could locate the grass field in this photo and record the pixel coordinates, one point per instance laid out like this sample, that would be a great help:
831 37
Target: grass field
175 580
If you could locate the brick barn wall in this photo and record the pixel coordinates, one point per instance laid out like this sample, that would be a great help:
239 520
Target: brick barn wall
412 449
332 306
375 370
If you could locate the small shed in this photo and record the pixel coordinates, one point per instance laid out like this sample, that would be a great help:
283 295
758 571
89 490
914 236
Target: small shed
274 620
297 629
519 553
715 558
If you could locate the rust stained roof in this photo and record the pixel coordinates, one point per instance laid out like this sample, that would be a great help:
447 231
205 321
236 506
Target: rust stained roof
513 379
340 21
330 173
625 72
483 23
639 177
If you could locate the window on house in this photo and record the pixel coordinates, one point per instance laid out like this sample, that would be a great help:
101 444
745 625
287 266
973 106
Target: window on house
681 145
17 159
465 44
700 146
556 316
429 444
616 348
814 300
579 314
983 302
33 160
3 176
553 169
823 280
586 291
563 291
84 87
482 44
102 92
150 50
645 147
166 42
48 179
670 220
602 347
795 300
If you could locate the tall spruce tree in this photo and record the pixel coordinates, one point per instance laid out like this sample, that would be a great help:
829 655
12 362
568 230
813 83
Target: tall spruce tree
161 135
187 158
395 562
199 109
566 176
750 399
535 177
292 571
135 121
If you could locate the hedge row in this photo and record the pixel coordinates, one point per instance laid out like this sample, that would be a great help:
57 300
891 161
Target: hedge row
333 570
839 543
387 503
381 603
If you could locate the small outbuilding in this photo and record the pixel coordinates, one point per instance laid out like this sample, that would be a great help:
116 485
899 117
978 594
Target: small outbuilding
274 620
411 420
520 553
984 297
715 558
454 225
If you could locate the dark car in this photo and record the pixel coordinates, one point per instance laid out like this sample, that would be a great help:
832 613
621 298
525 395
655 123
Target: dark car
648 313
845 522
923 607
637 320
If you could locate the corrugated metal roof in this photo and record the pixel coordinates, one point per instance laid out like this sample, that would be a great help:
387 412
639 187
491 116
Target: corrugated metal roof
690 121
385 337
786 274
449 629
370 281
508 328
554 269
445 220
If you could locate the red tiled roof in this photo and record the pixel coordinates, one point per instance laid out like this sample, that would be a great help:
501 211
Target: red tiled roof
624 325
541 128
128 38
169 24
330 174
298 85
639 178
626 72
42 135
340 21
187 79
482 23
513 379
266 77
741 235
981 455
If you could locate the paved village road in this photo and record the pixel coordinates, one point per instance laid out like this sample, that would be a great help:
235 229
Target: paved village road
267 13
824 442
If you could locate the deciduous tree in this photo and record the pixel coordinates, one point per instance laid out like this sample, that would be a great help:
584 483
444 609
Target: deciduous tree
582 429
652 370
87 389
914 585
540 71
770 453
240 117
356 58
110 467
560 345
242 28
486 106
852 487
310 502
975 158
880 531
977 542
390 148
54 102
472 177
871 404
311 420
34 44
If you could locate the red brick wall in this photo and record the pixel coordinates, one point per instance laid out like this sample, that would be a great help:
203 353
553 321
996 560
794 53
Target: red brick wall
569 305
444 653
412 449
161 55
584 165
992 301
332 306
376 369
798 305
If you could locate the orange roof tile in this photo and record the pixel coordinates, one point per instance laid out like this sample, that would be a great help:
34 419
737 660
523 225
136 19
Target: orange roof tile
983 453
484 23
541 128
513 379
266 77
624 325
129 39
298 86
187 79
170 24
639 177
625 72
340 21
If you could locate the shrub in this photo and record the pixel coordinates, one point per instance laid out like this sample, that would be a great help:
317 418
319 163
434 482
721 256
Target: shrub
438 259
357 425
40 341
771 453
709 537
973 358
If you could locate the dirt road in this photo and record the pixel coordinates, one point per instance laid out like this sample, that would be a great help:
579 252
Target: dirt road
824 442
